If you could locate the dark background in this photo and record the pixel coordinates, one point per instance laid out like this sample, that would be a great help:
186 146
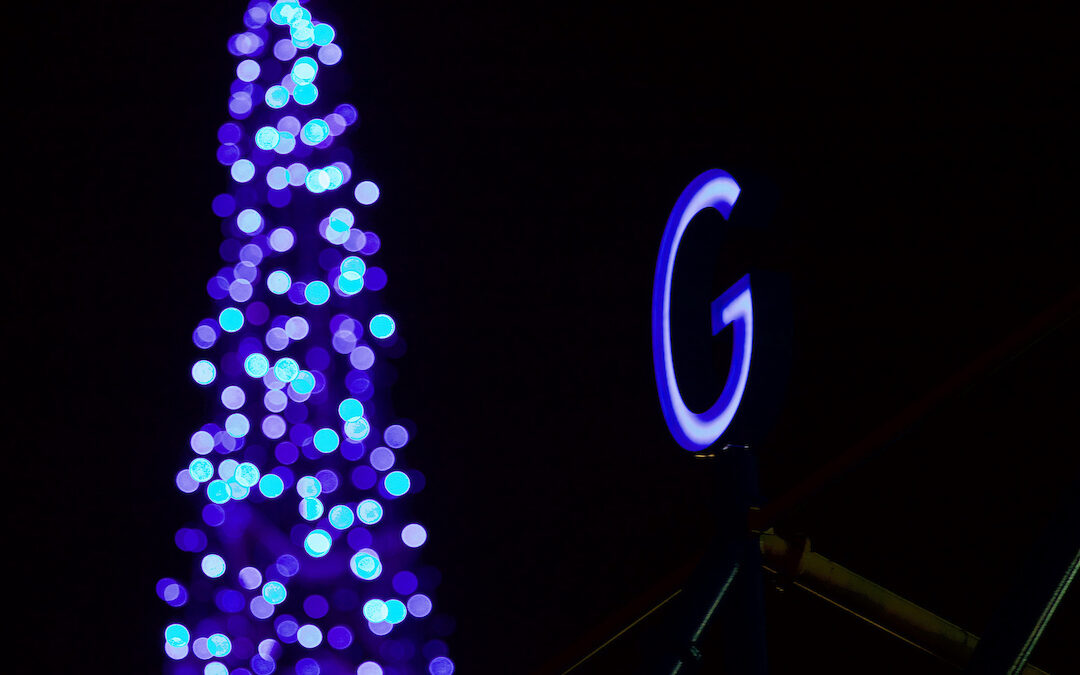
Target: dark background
528 159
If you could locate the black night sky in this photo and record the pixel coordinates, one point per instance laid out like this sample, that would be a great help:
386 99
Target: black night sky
911 166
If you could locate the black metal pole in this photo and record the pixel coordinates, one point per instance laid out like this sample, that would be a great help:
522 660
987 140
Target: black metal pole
726 588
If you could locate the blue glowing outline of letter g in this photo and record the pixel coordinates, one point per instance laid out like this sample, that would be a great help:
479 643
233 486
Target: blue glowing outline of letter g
695 431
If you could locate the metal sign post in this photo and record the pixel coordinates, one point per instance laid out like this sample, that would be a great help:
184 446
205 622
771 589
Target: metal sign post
727 585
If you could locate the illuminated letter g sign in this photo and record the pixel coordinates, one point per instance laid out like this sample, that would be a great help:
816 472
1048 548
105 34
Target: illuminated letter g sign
691 430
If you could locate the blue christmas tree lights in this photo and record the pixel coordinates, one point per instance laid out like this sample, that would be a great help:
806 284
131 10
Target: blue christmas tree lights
302 560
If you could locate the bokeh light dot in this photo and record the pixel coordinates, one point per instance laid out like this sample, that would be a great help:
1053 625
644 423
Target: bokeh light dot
395 611
419 605
323 34
248 70
274 592
304 70
381 326
177 635
277 96
251 578
366 192
309 636
330 54
286 369
365 565
362 357
203 372
375 610
311 508
218 491
326 440
396 436
350 408
271 485
341 517
396 483
317 543
231 319
218 645
215 668
369 511
305 94
242 170
237 425
282 239
232 397
413 535
278 282
201 469
213 565
317 292
267 138
256 365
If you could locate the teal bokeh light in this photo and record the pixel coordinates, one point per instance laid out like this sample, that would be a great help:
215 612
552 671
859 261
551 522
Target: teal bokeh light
395 611
286 369
274 592
287 143
201 469
314 132
324 34
237 426
287 274
357 429
218 645
351 283
267 138
277 96
213 565
396 483
369 511
335 177
177 635
218 491
231 319
326 440
317 180
317 543
350 408
353 264
381 326
271 485
309 486
365 565
304 70
256 365
247 475
242 170
341 219
311 508
317 292
305 94
304 382
341 517
278 282
375 611
203 372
